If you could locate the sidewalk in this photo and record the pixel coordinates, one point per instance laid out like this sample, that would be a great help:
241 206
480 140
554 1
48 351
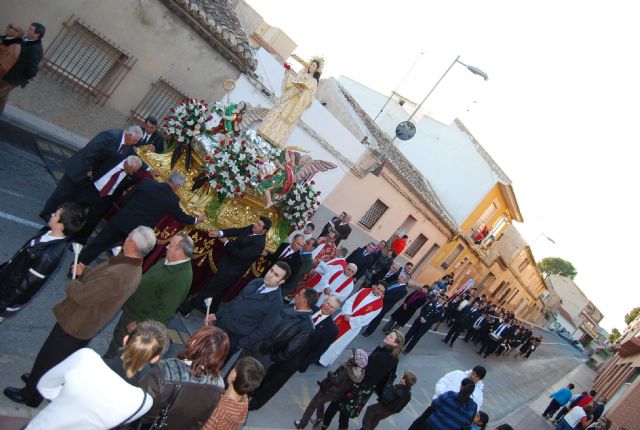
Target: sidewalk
529 417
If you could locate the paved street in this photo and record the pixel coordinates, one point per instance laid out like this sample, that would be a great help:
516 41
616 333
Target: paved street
26 180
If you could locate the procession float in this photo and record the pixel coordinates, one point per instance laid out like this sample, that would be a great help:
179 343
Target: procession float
235 173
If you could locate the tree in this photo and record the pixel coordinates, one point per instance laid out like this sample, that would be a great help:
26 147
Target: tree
632 315
557 266
615 334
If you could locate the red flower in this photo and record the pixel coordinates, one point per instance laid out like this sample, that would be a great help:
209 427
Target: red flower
202 101
287 66
237 189
313 182
219 186
173 110
210 117
318 193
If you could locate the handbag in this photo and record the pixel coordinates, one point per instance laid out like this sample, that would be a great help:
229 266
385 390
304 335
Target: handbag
161 421
356 399
388 391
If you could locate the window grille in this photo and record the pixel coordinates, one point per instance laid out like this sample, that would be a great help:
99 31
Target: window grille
416 245
162 96
86 61
374 213
452 257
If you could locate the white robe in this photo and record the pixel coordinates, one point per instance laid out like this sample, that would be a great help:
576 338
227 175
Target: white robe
328 272
356 324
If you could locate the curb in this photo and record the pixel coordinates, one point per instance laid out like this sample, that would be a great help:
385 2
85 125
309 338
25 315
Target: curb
43 129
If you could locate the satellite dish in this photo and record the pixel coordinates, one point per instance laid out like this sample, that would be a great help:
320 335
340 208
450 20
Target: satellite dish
405 130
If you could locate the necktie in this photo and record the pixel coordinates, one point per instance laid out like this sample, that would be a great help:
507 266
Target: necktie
145 137
110 183
261 289
121 148
286 252
316 318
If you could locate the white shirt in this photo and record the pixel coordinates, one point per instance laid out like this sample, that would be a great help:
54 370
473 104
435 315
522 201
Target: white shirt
47 237
574 416
103 403
267 289
100 183
167 263
321 317
451 382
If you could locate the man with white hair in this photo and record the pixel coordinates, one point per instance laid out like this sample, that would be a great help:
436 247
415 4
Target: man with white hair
162 289
92 301
149 202
107 148
108 184
338 283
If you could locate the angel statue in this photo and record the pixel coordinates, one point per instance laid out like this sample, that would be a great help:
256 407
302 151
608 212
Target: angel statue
297 94
296 168
230 122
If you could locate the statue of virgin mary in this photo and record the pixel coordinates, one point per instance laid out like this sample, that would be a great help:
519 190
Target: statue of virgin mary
297 94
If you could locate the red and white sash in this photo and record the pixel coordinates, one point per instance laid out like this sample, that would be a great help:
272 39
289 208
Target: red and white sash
341 321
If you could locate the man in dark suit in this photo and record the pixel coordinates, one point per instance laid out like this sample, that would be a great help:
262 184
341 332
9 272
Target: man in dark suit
251 316
363 258
287 252
343 229
151 136
331 224
395 292
107 148
239 255
430 314
108 183
148 203
463 321
306 263
26 66
324 333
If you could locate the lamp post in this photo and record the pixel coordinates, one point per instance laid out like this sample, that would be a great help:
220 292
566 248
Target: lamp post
472 69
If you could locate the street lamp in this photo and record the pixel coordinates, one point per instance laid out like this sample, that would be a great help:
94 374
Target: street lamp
472 69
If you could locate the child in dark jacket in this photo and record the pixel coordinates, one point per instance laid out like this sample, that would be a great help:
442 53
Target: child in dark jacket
334 386
391 402
34 263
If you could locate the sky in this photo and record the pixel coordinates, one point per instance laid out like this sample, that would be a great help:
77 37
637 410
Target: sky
558 113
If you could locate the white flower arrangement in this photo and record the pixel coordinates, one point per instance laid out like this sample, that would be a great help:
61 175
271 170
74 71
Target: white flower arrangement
232 169
181 123
299 204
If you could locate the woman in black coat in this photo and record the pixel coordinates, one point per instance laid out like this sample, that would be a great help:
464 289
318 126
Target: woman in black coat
381 367
404 313
34 263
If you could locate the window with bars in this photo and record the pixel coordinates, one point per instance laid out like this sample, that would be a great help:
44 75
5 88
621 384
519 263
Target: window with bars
416 245
86 61
158 101
452 257
374 214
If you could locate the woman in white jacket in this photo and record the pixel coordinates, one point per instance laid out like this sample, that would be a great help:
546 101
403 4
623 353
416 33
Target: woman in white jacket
86 394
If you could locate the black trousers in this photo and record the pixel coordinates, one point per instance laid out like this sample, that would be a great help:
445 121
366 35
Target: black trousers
343 418
65 189
453 334
275 378
373 325
489 346
373 415
108 237
215 289
420 423
415 333
89 197
552 408
58 346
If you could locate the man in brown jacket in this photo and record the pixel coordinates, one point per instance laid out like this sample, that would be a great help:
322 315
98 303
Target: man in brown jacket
10 48
92 301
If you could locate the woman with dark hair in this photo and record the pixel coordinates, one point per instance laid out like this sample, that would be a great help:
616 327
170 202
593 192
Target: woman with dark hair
403 314
381 368
192 381
453 411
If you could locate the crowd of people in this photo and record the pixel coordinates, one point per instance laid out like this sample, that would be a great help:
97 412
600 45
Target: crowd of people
312 300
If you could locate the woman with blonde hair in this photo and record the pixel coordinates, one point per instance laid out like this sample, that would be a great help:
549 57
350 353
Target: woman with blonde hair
107 401
188 388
